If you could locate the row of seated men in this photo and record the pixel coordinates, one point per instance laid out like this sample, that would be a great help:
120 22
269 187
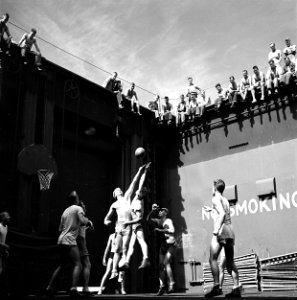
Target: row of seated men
279 79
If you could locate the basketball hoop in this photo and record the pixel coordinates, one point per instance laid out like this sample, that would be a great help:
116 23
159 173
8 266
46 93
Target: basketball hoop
45 177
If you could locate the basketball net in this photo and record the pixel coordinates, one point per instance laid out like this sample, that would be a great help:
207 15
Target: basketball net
45 177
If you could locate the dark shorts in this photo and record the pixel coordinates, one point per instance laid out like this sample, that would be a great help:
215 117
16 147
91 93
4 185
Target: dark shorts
226 242
168 248
111 255
82 246
64 253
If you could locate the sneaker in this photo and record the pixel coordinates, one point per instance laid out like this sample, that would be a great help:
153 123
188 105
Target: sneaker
145 264
235 293
215 291
39 69
254 101
161 291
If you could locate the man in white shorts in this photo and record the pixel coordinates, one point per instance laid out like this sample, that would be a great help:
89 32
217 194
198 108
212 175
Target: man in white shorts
137 211
121 207
258 82
246 87
132 96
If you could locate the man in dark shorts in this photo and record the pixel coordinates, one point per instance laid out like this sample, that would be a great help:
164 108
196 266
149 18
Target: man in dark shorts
223 237
72 218
84 254
167 249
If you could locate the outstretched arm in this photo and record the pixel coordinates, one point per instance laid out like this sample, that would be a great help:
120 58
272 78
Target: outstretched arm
133 183
107 249
143 176
36 47
107 219
22 39
217 204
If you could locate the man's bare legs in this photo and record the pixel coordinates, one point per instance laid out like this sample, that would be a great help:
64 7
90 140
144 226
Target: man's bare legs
165 269
86 267
106 275
230 265
75 260
139 235
122 244
215 249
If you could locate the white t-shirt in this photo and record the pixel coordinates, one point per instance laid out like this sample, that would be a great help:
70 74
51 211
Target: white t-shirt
3 233
70 225
290 52
276 56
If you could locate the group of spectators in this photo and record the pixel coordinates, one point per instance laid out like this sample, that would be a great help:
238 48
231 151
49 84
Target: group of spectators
280 74
250 89
25 43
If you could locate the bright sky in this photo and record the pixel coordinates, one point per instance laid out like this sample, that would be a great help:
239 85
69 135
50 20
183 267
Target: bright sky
158 43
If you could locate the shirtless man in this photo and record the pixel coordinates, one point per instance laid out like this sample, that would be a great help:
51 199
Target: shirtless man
246 87
122 208
223 237
258 81
137 211
26 43
132 96
167 249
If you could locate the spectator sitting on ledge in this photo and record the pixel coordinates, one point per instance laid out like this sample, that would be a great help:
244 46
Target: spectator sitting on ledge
153 106
132 96
222 95
258 82
290 51
181 111
112 84
246 87
26 43
167 110
233 91
273 78
276 56
5 42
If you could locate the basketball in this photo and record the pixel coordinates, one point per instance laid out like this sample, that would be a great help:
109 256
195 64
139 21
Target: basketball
139 152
